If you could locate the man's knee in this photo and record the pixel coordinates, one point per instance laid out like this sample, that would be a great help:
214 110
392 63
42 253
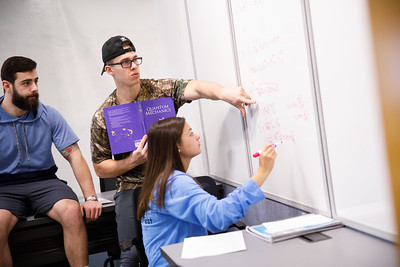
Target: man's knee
7 222
67 212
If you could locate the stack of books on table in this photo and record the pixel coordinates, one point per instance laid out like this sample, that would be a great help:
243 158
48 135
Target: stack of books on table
285 229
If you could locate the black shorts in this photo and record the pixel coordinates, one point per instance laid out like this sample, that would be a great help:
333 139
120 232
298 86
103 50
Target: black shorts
37 197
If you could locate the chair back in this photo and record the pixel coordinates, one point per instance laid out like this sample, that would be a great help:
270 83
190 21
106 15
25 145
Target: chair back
209 185
107 184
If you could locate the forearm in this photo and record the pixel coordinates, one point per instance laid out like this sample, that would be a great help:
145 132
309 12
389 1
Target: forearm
80 168
236 96
82 173
83 176
202 89
260 176
112 168
90 209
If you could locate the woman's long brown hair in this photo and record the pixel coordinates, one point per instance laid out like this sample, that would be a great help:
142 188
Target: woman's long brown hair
163 159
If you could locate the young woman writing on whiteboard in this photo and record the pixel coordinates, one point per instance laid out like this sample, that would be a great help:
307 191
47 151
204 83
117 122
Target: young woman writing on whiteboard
172 205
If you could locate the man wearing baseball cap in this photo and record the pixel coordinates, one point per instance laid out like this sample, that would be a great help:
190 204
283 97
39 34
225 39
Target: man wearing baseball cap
122 63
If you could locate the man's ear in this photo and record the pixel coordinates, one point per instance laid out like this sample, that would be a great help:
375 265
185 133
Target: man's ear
108 70
6 86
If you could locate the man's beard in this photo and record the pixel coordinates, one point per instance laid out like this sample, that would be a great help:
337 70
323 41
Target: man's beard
28 103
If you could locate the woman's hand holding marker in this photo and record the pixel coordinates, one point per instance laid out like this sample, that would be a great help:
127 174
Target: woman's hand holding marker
257 154
266 163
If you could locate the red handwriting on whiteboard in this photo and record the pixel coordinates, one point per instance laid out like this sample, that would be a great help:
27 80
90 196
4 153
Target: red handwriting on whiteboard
269 109
256 90
258 46
269 126
272 60
247 5
278 136
298 109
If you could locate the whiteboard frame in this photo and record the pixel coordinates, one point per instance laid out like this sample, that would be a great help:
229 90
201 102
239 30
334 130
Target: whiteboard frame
318 107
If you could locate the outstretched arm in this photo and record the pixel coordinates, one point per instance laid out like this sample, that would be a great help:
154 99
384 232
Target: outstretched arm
236 96
82 174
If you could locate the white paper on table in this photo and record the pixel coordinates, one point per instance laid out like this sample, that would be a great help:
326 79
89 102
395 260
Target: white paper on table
211 245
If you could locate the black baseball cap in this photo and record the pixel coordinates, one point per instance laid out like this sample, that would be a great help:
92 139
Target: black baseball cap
113 48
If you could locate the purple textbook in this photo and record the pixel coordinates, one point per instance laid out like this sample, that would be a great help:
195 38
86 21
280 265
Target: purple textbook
127 123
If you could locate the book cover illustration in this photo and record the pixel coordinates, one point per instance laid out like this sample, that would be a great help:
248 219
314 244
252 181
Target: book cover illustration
127 123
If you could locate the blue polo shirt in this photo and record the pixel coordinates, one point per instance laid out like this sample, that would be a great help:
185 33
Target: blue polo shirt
26 141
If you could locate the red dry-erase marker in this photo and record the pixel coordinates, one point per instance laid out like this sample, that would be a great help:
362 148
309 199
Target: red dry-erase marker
257 154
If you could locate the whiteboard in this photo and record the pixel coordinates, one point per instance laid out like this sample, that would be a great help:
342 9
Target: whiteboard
275 69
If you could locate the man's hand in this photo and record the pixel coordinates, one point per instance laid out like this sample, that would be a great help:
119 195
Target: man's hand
236 96
91 209
139 156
